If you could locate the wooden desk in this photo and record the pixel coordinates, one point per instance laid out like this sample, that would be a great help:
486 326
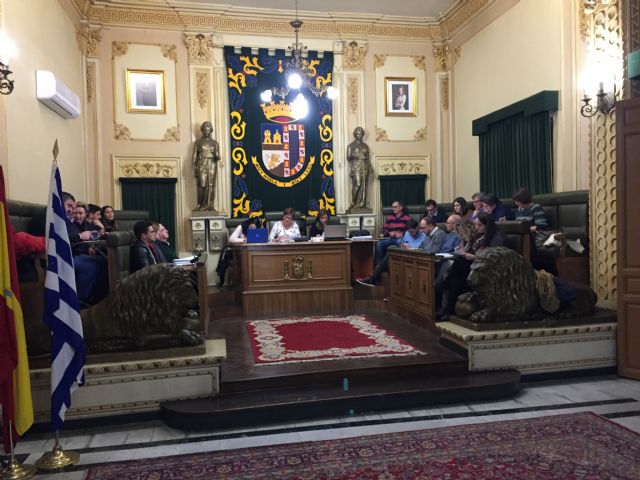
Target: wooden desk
411 275
293 278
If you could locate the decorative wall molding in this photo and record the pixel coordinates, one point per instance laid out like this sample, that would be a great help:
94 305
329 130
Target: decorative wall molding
442 57
381 135
170 52
379 60
89 40
151 169
172 135
421 135
121 132
200 47
460 16
202 89
444 93
353 93
420 61
353 56
91 81
119 48
456 54
402 165
604 42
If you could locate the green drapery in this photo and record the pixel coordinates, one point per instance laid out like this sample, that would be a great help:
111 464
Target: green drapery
279 158
409 189
156 195
516 146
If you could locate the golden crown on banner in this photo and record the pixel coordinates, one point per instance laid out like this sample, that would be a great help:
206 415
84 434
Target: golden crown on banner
278 112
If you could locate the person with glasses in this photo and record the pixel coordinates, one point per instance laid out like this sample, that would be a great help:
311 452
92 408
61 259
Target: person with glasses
393 229
461 207
476 199
434 237
451 239
432 211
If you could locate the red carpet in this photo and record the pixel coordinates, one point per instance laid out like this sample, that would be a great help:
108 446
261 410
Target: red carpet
321 338
576 446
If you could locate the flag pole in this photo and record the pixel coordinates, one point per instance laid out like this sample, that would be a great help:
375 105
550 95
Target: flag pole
14 470
57 459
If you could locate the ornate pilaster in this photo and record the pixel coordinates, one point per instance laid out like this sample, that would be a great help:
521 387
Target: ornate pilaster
89 40
631 27
200 48
601 23
442 57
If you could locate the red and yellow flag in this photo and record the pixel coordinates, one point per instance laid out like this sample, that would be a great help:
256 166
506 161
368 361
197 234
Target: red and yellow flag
15 386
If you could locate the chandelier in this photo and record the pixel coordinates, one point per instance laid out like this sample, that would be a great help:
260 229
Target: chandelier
300 73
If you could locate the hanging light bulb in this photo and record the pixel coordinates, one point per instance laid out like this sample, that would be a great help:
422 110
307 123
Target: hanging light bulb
294 80
332 93
300 107
266 96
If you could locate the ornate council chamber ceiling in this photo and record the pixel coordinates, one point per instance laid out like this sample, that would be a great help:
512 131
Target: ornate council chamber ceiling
425 9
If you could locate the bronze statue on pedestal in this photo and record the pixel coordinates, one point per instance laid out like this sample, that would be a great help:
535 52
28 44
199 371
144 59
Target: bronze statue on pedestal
206 155
358 157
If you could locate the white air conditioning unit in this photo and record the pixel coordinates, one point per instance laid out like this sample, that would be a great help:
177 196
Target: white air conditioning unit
56 95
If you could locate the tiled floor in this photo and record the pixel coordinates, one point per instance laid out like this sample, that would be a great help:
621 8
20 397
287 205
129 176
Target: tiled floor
615 398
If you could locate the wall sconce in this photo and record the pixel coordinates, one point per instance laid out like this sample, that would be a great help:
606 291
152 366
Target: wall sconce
7 50
604 104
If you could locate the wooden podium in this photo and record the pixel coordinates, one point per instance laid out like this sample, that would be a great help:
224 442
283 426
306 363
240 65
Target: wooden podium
293 278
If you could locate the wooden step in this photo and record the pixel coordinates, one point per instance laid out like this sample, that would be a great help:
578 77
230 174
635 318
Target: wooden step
251 409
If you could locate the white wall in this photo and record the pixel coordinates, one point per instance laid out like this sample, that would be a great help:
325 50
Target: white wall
45 41
514 57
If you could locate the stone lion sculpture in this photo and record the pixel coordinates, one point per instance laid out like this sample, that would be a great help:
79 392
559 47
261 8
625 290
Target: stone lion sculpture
504 289
151 308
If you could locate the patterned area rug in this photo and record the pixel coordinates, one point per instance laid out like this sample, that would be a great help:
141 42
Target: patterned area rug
575 446
311 339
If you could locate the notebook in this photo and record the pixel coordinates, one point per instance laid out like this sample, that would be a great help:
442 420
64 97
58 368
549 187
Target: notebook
335 232
258 235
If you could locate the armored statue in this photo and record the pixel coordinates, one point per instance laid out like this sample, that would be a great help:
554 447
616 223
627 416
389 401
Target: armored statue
358 157
206 155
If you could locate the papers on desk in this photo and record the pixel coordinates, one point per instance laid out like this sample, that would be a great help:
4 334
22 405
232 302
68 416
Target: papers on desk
444 255
361 238
184 260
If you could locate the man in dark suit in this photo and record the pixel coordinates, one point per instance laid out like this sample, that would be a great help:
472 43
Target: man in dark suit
143 252
433 212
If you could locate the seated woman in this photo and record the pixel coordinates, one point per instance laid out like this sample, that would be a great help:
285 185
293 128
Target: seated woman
534 213
317 228
239 235
286 229
461 208
487 236
108 219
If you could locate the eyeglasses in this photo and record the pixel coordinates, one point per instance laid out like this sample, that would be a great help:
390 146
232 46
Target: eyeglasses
395 206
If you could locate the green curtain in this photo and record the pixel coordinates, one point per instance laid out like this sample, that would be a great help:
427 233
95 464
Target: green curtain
517 152
409 189
156 195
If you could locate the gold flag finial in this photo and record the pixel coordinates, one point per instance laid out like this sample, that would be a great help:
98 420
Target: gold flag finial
55 150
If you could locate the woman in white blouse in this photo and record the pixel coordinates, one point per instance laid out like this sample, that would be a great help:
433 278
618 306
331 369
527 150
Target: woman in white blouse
239 235
286 229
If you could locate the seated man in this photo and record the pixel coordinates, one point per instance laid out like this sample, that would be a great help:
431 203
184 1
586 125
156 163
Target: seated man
411 240
90 270
432 211
434 237
451 239
94 216
162 242
143 252
494 207
393 229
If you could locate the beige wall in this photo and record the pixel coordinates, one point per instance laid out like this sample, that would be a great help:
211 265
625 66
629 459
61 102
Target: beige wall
45 38
516 56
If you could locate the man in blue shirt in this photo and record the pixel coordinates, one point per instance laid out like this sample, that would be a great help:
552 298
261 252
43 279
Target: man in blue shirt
451 239
411 240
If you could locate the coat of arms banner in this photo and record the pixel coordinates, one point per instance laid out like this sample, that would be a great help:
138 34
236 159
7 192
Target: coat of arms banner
280 158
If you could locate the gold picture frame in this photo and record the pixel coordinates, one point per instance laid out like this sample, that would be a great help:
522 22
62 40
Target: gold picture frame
145 91
400 97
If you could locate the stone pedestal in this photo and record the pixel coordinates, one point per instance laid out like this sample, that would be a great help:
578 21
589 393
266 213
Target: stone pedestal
118 388
353 221
210 234
536 350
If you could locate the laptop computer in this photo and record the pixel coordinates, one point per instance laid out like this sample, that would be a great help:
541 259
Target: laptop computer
335 232
258 235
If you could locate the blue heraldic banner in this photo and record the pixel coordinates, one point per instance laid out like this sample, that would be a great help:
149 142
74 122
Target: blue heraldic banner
280 158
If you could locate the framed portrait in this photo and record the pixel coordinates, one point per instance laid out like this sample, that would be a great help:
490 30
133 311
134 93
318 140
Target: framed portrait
145 91
400 97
